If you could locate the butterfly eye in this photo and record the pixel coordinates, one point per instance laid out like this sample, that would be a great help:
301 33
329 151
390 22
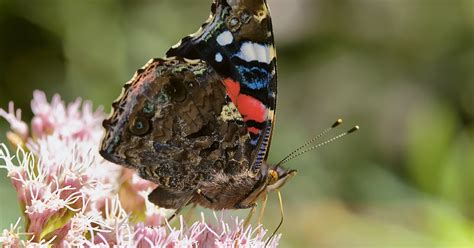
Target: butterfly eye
273 177
139 126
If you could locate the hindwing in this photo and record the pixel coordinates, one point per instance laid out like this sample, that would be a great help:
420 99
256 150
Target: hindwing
176 125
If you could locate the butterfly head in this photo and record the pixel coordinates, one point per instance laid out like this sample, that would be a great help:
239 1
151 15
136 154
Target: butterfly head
277 177
272 178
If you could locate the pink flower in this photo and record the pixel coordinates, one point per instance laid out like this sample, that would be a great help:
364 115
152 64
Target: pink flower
11 237
203 234
71 196
19 129
66 121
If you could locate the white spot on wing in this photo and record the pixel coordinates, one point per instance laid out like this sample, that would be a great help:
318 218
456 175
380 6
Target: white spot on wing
225 38
262 54
219 57
256 52
177 44
248 51
192 61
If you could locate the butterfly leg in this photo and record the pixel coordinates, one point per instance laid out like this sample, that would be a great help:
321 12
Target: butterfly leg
177 211
262 209
281 220
249 216
188 201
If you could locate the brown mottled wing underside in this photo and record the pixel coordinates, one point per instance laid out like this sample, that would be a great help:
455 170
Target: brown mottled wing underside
175 125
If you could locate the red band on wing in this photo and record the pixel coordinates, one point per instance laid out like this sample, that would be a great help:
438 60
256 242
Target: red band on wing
253 130
249 107
233 89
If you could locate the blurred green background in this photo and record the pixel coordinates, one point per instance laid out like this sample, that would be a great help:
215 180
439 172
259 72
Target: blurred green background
401 69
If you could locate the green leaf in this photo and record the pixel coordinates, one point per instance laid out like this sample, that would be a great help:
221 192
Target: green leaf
56 222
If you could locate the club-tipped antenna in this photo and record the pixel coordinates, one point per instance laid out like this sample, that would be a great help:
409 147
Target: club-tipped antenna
298 153
336 123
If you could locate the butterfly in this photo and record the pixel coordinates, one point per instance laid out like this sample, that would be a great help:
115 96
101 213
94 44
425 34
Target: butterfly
199 122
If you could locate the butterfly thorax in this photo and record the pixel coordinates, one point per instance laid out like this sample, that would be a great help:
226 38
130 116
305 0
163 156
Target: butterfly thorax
229 192
243 190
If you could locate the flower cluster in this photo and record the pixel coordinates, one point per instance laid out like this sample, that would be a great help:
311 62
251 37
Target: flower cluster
70 196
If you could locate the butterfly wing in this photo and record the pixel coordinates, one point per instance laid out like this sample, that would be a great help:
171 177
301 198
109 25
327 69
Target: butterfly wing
237 42
175 125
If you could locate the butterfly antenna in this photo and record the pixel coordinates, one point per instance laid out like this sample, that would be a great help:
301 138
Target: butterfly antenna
299 153
336 123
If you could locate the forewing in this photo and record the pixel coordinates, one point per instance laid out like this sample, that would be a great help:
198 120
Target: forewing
237 42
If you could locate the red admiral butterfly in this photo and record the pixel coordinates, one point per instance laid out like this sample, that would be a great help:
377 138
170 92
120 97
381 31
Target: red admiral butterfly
199 122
